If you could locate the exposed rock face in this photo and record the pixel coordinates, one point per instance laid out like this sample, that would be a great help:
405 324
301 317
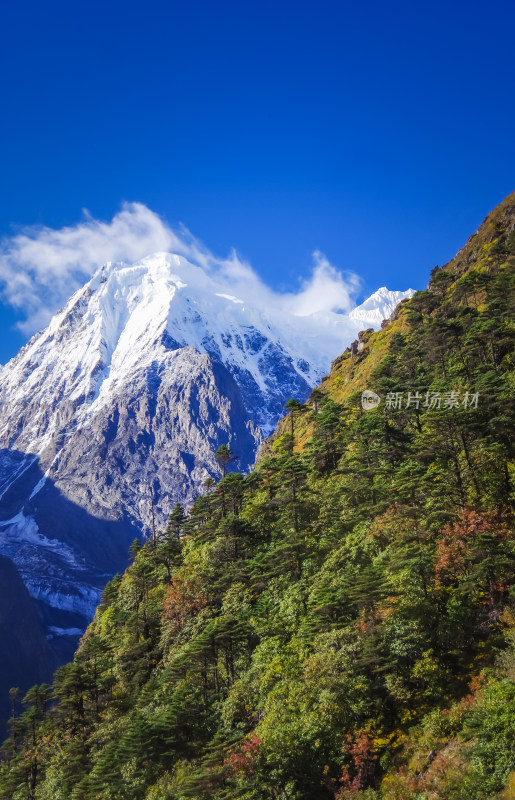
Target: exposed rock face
70 512
126 396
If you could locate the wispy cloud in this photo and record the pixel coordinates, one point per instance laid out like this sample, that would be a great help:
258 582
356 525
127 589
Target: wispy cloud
41 267
326 290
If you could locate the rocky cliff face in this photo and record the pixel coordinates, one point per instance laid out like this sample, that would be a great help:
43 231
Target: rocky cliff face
124 399
27 656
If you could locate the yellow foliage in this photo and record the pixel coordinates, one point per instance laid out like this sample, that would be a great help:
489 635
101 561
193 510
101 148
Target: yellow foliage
508 792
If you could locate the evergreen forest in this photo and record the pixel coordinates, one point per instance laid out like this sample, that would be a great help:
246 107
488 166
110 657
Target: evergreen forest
339 624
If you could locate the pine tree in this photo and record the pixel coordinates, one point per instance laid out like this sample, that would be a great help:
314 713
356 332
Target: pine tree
224 456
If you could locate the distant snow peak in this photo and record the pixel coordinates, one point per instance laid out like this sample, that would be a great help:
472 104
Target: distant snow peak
130 318
379 306
135 383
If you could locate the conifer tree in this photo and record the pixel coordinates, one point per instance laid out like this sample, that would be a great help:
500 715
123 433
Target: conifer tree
224 456
294 407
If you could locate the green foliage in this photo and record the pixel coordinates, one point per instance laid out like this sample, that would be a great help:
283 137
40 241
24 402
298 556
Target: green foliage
224 456
338 624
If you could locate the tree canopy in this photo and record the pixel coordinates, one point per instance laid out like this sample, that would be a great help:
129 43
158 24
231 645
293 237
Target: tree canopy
340 623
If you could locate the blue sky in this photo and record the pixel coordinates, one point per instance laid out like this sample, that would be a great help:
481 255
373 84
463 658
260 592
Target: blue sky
379 133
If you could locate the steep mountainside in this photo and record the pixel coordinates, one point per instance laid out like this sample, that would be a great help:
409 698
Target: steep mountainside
123 400
26 656
338 624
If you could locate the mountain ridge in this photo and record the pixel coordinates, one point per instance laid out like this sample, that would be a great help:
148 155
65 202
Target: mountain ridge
340 623
144 372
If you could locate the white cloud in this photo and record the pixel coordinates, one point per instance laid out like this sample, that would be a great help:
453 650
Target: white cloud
326 290
40 267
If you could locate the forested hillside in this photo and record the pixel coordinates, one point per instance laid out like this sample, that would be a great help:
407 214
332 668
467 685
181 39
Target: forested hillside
340 623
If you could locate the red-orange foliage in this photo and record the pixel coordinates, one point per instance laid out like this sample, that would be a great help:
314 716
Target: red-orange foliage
475 691
363 763
183 600
454 546
242 759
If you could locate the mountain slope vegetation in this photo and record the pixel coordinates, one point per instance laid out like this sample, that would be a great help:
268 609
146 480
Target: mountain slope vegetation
121 402
340 623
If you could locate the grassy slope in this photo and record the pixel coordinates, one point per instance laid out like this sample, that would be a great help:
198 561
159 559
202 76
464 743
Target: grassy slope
482 253
340 624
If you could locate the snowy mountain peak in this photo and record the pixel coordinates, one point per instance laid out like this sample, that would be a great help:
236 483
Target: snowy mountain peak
379 306
128 316
127 394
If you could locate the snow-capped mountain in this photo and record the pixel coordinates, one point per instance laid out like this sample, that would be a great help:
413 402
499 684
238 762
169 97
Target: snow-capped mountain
125 397
379 306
